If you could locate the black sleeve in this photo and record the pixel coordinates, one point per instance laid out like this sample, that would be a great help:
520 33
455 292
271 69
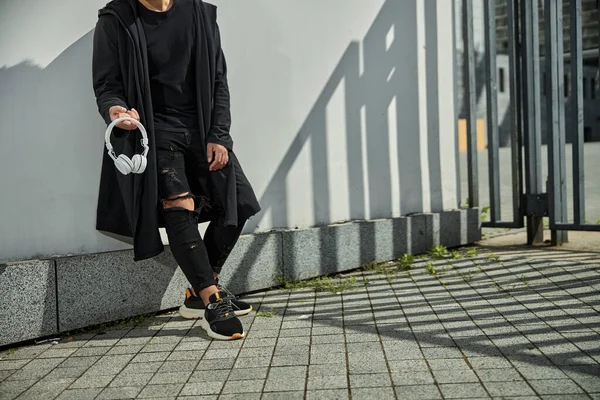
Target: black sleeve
221 118
106 71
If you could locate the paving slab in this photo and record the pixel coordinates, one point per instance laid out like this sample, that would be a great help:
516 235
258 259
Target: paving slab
513 324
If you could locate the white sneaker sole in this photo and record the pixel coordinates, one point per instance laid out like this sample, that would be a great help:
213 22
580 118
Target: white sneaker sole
206 326
241 313
192 313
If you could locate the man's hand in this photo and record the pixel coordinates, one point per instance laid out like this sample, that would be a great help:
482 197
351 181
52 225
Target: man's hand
121 112
218 156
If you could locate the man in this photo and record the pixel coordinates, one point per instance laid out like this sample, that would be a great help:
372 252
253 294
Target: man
161 63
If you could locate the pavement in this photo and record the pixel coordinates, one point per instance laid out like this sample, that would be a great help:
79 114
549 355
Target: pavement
491 321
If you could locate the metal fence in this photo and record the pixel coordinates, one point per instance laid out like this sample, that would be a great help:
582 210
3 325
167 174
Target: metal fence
533 196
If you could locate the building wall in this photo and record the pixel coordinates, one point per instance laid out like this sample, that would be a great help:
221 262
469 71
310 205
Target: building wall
590 71
340 113
591 106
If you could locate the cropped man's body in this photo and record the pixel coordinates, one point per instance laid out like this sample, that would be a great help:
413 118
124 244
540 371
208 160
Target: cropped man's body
161 63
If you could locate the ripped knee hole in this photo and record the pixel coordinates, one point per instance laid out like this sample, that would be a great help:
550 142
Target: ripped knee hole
168 171
177 201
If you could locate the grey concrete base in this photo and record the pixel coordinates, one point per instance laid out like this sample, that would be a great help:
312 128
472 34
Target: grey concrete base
106 287
27 301
313 252
255 263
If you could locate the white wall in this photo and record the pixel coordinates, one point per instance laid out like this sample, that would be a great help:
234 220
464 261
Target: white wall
339 113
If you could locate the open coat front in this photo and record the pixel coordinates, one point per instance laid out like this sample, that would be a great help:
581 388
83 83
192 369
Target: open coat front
129 205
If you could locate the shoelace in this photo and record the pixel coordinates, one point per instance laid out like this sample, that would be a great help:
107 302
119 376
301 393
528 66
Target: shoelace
223 308
227 292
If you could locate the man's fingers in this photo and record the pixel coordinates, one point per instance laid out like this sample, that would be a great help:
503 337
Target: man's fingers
218 156
224 158
115 111
134 114
119 109
126 127
128 123
221 160
216 165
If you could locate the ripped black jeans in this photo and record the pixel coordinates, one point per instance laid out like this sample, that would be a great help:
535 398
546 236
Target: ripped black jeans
178 152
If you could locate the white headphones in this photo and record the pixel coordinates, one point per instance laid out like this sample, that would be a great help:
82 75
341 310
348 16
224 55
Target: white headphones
137 164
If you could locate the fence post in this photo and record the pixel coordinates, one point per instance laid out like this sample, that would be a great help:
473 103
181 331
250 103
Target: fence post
532 120
555 95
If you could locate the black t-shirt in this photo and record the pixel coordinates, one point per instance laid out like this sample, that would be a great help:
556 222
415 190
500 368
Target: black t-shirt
171 36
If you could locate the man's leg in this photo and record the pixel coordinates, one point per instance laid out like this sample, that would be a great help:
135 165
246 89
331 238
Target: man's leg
181 223
187 246
220 241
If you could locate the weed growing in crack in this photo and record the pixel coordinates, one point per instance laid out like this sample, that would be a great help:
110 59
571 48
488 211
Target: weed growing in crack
439 252
430 268
493 257
267 314
471 253
323 284
405 262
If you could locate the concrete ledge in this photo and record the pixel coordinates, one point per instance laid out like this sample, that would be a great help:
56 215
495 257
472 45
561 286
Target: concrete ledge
309 253
27 301
99 288
472 225
320 251
106 287
254 264
451 225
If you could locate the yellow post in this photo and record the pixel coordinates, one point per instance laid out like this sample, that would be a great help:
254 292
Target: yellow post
462 135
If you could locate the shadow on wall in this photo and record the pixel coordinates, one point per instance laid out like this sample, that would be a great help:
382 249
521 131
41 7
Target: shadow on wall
388 85
50 143
50 155
386 90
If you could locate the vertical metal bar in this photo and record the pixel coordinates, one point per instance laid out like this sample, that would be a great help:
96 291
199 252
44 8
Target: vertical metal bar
470 101
561 236
457 110
551 82
531 115
492 110
558 236
515 110
555 112
577 117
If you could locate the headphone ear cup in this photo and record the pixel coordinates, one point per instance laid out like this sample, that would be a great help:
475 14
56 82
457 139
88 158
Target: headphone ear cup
137 162
124 164
143 164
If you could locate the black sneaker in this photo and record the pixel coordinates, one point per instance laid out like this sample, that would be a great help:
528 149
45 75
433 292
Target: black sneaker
240 308
219 320
193 306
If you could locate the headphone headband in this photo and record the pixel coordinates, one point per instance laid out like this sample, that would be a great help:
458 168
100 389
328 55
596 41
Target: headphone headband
139 125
